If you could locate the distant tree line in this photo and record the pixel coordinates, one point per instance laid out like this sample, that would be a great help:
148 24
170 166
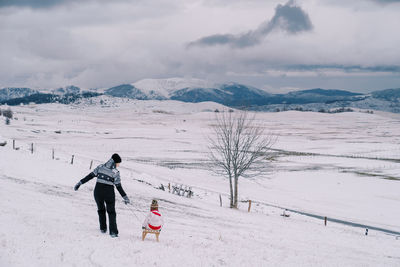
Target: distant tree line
339 110
321 110
41 98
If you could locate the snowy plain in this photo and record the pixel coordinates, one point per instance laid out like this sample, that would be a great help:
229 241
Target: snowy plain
344 166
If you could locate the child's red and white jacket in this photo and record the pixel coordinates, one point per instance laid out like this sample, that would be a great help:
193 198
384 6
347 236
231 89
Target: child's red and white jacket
153 221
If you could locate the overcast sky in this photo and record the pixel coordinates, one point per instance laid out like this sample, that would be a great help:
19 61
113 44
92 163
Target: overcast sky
274 45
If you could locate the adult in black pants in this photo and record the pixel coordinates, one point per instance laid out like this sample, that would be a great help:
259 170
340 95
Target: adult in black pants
107 177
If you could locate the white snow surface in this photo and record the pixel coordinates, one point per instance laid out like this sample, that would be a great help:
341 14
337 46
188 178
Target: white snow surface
342 166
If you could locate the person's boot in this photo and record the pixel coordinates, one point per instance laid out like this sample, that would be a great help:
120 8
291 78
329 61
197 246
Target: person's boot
103 231
113 235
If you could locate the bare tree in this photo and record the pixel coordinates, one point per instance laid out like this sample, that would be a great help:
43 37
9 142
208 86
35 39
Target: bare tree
238 148
8 113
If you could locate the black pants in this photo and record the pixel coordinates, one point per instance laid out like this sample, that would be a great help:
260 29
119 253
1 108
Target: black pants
104 194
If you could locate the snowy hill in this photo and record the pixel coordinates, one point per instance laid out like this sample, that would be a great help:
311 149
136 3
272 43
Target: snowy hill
392 95
342 166
12 92
319 91
320 96
128 91
149 106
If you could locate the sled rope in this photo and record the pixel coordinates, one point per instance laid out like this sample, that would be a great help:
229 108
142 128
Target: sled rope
134 213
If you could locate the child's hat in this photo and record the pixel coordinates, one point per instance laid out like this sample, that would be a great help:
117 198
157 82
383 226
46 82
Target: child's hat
154 203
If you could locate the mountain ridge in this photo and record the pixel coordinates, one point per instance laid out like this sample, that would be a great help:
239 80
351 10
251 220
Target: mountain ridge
189 90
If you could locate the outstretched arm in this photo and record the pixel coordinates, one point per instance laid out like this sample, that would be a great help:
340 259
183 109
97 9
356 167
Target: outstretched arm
87 178
91 175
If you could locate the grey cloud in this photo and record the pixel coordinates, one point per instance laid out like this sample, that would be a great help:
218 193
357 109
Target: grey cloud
31 3
386 1
289 18
347 68
40 4
100 43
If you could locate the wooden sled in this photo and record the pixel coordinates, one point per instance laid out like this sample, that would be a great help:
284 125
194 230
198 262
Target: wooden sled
148 231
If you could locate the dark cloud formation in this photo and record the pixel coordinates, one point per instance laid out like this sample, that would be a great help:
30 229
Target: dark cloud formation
289 18
387 1
31 3
41 4
347 68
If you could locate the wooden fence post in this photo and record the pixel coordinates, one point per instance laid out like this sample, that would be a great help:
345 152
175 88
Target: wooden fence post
72 159
91 163
220 200
13 144
32 148
180 189
169 187
249 206
190 193
326 219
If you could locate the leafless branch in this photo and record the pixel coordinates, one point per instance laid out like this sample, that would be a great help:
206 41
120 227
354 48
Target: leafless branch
238 148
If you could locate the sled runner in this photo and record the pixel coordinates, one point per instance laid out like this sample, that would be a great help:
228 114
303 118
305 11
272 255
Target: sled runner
149 231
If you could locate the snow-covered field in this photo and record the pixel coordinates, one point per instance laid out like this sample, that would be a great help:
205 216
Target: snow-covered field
344 166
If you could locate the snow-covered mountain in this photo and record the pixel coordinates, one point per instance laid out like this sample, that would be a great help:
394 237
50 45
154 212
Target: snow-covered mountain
15 92
71 89
392 95
165 88
229 94
128 91
320 95
191 90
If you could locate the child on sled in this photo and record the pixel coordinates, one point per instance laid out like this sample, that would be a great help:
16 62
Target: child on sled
153 222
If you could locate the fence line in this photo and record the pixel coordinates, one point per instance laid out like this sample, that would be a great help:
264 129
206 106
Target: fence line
51 152
325 219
